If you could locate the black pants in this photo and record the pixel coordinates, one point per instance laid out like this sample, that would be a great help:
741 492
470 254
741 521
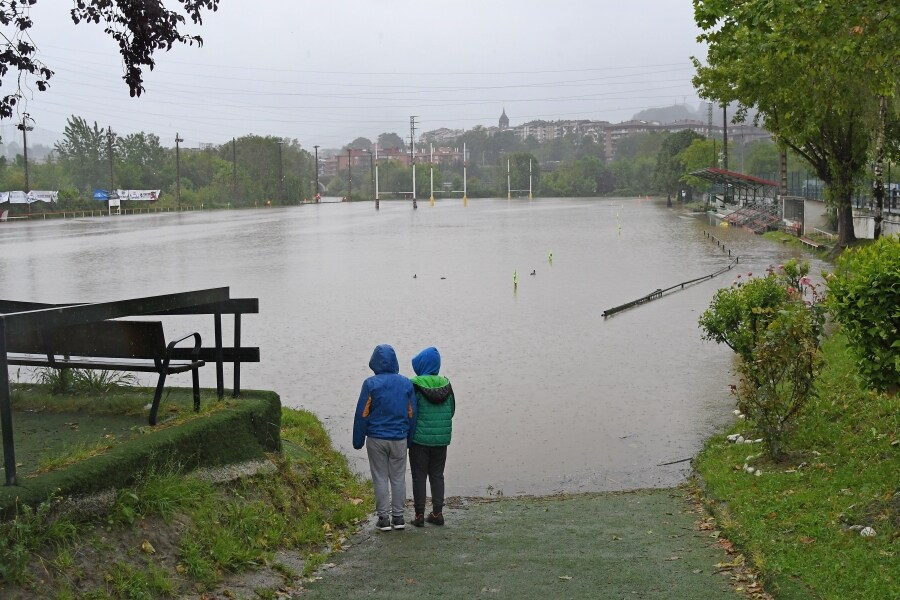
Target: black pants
427 461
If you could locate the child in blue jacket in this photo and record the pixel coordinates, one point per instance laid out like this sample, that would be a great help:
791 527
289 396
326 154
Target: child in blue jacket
384 422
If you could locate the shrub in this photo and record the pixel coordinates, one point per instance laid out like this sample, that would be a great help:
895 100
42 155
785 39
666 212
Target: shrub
864 297
775 331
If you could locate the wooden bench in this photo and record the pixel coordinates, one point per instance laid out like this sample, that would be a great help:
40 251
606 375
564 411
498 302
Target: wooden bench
217 354
138 346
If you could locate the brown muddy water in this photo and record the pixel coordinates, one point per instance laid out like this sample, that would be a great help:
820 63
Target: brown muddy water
550 395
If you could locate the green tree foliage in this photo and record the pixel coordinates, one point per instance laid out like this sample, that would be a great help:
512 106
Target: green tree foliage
670 168
84 153
864 297
815 71
360 143
585 176
139 29
775 331
391 140
700 154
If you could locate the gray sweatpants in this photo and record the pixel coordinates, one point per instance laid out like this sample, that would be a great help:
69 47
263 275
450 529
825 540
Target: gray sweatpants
387 461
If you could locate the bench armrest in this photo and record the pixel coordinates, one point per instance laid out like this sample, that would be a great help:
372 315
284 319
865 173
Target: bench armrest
195 351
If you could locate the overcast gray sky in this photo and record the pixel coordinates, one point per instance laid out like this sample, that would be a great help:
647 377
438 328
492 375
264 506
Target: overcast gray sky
327 72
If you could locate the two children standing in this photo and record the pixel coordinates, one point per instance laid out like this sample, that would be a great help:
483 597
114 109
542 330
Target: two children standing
395 413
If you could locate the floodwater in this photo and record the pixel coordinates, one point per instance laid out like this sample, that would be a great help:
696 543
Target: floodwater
550 395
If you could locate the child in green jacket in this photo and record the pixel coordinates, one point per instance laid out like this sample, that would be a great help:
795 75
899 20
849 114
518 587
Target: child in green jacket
434 426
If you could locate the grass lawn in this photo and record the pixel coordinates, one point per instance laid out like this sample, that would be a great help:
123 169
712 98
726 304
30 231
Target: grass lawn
795 520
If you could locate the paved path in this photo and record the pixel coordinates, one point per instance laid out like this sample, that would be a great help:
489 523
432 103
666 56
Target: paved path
643 544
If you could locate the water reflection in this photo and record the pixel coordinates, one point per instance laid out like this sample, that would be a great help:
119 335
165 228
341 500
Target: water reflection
550 395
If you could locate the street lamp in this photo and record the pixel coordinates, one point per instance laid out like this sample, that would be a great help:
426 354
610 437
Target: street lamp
316 191
25 127
178 140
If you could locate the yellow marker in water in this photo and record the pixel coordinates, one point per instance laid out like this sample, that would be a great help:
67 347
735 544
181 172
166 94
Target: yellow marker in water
515 278
550 256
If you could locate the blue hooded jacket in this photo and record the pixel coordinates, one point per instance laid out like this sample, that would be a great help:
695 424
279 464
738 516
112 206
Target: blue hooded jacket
386 408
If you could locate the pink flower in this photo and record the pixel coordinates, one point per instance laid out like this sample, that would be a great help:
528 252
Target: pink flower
805 281
791 289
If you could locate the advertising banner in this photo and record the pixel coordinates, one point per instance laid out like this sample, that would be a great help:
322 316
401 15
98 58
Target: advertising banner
18 197
140 195
43 196
101 195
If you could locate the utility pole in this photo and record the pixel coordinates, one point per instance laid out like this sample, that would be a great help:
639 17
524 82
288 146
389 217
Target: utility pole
316 191
112 184
25 127
349 175
372 171
412 148
178 140
725 136
377 199
233 170
280 174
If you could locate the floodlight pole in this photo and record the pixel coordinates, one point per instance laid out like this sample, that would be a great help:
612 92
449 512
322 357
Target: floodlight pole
178 140
316 191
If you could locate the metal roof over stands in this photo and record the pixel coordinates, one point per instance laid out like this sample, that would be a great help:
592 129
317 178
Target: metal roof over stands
736 180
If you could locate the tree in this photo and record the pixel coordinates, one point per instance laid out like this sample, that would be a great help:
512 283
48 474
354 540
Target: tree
814 69
864 297
360 143
669 168
83 152
139 29
391 140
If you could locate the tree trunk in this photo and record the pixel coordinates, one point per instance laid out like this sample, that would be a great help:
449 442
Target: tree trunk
841 195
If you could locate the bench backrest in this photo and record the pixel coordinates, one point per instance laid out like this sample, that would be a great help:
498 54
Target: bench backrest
110 339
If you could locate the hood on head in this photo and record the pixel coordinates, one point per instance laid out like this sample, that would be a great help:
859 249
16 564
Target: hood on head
384 360
427 362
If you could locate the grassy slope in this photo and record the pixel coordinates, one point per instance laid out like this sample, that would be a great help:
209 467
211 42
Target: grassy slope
171 536
793 520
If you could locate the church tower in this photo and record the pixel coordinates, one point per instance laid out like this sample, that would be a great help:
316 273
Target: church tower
504 120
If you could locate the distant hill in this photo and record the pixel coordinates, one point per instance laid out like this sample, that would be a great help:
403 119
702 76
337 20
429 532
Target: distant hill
669 114
682 112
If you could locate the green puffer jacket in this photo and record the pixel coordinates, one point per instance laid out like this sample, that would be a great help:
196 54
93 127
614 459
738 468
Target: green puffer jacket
436 407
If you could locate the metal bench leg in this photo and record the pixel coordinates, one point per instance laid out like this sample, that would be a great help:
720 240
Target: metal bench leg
157 396
195 381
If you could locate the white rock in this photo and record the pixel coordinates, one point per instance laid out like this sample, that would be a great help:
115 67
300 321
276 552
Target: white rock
740 439
748 441
733 437
742 416
867 532
758 440
758 473
750 469
737 412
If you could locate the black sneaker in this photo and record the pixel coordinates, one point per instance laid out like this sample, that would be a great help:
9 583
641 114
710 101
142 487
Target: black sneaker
435 518
419 521
384 523
398 523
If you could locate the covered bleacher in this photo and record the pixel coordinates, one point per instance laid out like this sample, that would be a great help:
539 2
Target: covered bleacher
745 200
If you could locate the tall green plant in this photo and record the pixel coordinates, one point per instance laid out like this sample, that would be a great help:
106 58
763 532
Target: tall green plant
864 297
775 330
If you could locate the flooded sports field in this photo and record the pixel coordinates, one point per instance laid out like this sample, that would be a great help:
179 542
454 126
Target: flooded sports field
550 395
